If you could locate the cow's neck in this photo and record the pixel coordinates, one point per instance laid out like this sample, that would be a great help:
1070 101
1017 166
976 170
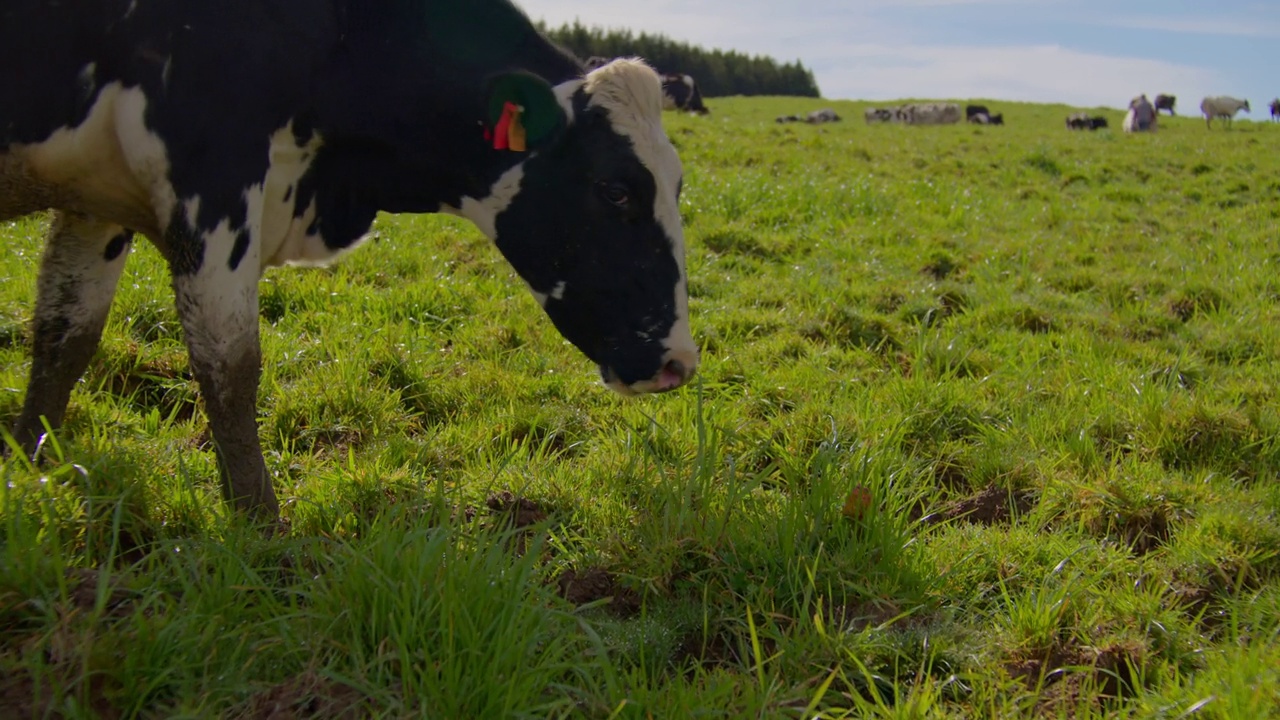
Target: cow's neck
400 108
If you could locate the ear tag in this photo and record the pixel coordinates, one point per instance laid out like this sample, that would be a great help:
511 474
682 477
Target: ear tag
509 133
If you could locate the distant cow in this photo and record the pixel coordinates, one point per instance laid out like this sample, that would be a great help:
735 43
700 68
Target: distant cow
970 111
238 138
985 119
680 92
1222 107
1083 121
825 115
787 119
878 115
931 113
1166 102
1141 116
1275 110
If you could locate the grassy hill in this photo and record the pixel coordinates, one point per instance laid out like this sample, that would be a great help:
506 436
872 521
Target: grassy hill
986 426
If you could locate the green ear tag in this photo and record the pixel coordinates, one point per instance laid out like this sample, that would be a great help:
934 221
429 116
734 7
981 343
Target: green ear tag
541 114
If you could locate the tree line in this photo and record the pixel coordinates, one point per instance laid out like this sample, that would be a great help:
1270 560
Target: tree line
718 72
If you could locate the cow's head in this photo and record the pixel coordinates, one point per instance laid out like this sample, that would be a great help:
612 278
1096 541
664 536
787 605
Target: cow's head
589 218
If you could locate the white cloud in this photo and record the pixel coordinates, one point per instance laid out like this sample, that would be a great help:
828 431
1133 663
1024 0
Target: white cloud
1045 73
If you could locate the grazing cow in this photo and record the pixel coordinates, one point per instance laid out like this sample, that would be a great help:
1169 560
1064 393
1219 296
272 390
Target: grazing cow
1222 107
985 119
1166 102
825 115
235 140
930 113
878 115
970 111
1275 110
1141 116
997 119
1083 121
787 119
680 92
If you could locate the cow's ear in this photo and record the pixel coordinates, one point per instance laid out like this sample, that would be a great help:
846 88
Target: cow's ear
540 114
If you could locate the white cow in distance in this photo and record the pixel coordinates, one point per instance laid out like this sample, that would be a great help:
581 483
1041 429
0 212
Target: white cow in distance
1221 106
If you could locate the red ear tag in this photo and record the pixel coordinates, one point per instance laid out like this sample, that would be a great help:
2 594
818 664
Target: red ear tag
502 131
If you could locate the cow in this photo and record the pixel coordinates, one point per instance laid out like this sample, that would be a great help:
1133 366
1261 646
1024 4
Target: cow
1222 107
680 92
1083 121
787 119
877 115
971 111
1166 102
825 115
985 119
930 113
1141 116
239 140
1275 110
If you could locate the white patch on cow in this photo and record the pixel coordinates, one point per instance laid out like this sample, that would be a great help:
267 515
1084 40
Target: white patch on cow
88 80
687 80
110 165
219 305
484 213
564 95
632 94
557 292
286 239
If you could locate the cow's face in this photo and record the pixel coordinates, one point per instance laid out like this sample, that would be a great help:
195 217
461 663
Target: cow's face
590 221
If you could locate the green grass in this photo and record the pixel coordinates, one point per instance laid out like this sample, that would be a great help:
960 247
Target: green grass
1048 359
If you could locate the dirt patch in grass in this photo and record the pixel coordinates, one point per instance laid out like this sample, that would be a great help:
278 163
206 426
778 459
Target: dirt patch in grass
519 512
21 696
306 695
989 506
595 584
1078 678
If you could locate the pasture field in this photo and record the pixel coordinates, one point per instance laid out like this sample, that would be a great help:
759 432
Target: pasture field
986 426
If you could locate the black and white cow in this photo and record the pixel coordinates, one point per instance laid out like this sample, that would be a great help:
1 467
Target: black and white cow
1166 102
680 92
237 136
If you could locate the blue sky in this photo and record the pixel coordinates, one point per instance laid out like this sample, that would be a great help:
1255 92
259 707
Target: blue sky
1079 52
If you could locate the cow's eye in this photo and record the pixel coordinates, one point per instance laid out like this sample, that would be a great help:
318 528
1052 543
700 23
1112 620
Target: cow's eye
615 192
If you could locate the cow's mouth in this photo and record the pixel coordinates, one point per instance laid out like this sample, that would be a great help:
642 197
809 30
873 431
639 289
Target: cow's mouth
673 374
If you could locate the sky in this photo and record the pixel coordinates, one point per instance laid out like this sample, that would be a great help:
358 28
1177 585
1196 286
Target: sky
1084 53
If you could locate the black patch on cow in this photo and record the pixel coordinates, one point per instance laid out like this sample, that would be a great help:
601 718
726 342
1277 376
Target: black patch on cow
184 249
616 263
238 249
288 193
117 245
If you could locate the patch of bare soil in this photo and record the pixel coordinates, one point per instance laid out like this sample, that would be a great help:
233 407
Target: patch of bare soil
1079 678
21 696
989 506
596 584
307 695
521 512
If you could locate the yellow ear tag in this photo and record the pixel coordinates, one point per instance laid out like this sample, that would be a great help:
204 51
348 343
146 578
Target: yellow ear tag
515 132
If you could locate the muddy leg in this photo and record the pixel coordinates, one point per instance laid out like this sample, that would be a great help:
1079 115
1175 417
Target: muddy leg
79 271
215 282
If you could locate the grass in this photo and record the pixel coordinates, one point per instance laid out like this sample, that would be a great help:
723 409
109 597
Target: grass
985 426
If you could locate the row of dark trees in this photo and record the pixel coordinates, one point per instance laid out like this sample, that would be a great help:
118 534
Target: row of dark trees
718 72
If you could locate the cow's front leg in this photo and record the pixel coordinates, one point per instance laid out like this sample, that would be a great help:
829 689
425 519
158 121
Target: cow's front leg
215 283
81 266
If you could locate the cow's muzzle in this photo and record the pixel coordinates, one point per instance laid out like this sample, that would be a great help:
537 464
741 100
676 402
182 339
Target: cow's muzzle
678 367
